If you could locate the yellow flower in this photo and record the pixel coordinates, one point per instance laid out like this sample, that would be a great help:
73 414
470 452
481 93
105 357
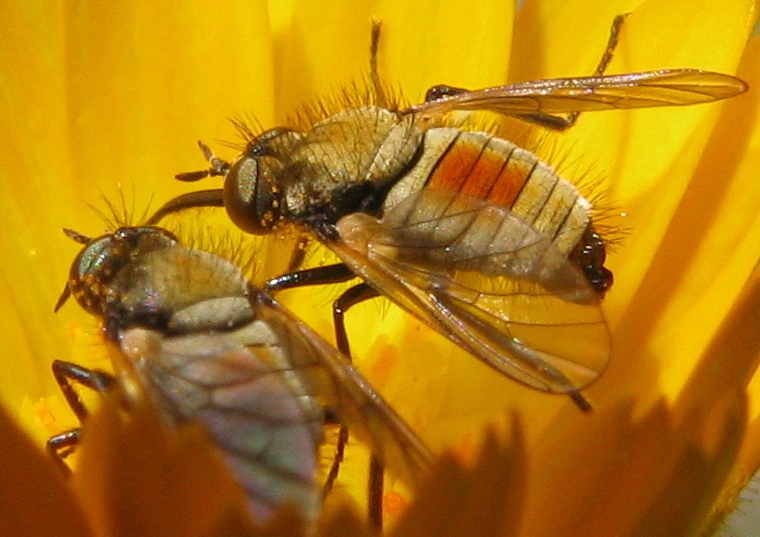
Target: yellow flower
98 96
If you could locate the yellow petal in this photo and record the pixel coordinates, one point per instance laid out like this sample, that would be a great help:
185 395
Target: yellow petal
96 98
711 246
137 478
31 60
560 39
421 44
656 152
132 111
340 518
34 498
483 500
633 476
433 42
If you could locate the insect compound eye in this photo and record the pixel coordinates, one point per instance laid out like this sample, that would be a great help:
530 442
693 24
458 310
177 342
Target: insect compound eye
100 261
251 195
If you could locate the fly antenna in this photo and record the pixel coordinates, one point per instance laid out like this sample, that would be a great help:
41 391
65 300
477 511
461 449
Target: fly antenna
66 293
218 166
76 236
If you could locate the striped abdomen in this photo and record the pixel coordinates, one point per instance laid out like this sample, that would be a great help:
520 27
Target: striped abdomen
493 170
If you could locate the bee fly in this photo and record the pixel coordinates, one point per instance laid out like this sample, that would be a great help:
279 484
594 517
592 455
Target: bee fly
205 346
470 233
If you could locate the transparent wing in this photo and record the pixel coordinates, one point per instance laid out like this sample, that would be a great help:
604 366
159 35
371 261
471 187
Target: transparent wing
259 391
346 391
263 419
670 87
508 297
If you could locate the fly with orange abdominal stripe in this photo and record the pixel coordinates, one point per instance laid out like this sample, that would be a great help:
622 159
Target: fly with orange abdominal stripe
470 233
203 345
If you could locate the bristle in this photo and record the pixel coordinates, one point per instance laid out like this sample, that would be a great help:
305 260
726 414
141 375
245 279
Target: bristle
241 249
76 236
608 222
353 95
116 214
248 126
147 212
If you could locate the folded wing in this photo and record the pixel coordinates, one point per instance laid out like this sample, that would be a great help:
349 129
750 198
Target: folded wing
488 282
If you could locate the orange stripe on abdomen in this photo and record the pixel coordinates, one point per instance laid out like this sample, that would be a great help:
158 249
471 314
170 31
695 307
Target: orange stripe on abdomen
480 166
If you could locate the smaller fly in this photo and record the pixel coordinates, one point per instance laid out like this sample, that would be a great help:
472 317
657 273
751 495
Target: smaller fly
205 346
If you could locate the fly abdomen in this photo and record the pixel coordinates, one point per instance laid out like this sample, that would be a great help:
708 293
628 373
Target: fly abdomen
496 171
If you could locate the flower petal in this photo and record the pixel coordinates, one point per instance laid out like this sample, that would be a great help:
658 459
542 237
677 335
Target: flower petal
98 97
715 233
135 477
421 44
34 498
639 476
484 500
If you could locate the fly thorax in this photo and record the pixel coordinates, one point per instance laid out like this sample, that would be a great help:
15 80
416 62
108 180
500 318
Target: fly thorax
174 289
219 313
347 162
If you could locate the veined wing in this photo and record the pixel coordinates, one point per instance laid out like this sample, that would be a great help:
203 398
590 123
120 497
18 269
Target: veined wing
265 420
355 401
669 87
508 297
260 390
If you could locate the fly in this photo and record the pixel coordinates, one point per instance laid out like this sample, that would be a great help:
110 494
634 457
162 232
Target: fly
470 233
205 346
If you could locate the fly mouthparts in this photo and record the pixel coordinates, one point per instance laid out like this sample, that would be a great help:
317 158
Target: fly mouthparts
63 298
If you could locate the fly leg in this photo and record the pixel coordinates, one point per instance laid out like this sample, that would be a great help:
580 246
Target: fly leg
191 200
355 295
377 86
558 123
67 375
340 448
351 297
201 198
298 254
337 273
